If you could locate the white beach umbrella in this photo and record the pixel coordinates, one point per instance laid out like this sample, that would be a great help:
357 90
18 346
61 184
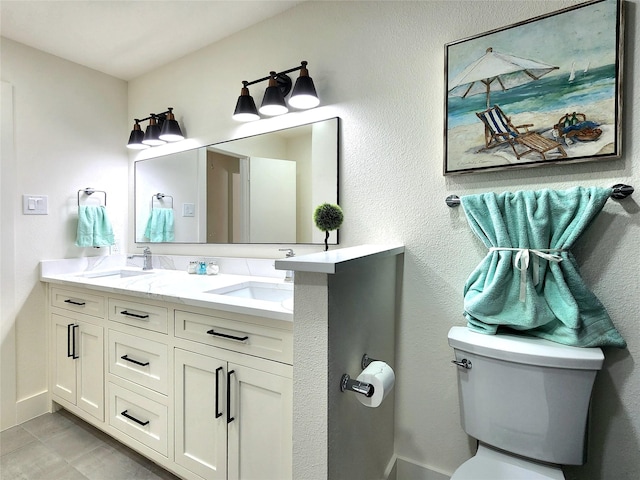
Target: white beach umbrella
496 71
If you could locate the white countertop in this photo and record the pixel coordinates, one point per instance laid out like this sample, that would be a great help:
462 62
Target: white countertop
167 285
333 261
173 284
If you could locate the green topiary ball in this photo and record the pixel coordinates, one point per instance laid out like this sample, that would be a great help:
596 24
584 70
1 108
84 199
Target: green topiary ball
327 217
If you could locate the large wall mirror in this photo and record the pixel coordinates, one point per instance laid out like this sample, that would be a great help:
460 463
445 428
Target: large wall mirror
259 189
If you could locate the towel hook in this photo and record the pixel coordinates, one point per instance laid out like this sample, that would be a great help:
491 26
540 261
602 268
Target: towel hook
620 191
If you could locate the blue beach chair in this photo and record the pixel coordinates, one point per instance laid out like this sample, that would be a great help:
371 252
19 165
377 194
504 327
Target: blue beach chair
499 130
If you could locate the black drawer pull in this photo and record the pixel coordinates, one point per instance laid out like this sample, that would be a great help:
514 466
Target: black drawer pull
229 417
69 343
124 312
218 412
125 357
74 354
140 422
231 337
73 302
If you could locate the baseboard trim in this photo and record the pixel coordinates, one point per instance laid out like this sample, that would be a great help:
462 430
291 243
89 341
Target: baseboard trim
32 407
405 469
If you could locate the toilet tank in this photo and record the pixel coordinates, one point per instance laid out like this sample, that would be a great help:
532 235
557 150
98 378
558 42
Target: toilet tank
524 394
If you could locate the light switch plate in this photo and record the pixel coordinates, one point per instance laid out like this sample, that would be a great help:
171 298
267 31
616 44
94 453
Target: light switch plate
35 204
188 209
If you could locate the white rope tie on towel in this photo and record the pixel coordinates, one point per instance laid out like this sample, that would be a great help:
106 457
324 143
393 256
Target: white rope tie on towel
522 260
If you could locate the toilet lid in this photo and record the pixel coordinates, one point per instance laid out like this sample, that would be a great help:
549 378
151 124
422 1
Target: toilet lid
489 464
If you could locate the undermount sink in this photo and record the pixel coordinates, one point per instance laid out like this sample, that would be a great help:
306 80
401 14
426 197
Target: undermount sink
120 273
265 291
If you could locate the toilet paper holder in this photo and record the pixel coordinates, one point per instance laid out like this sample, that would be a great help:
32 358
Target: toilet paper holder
363 388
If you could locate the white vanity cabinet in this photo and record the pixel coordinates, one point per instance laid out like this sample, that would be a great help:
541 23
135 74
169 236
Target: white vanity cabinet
204 392
260 433
77 346
233 421
138 378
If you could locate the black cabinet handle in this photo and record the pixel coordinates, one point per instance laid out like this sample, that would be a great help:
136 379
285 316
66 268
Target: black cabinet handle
125 357
124 312
130 417
231 337
74 355
69 353
218 412
229 417
73 302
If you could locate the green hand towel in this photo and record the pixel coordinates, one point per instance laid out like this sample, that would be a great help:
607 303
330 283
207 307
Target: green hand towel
160 225
529 281
94 228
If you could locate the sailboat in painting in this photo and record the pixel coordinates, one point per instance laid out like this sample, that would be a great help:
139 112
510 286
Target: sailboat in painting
572 75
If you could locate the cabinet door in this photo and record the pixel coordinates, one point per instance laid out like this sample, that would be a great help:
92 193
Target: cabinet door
90 369
200 415
260 444
78 369
64 365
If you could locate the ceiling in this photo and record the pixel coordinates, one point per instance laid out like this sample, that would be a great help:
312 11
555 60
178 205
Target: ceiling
127 38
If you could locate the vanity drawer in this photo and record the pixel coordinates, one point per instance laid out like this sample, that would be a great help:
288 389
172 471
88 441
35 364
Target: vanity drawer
139 417
263 342
75 301
149 317
139 360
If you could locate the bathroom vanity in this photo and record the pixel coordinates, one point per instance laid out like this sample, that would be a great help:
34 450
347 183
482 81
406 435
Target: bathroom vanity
173 366
193 374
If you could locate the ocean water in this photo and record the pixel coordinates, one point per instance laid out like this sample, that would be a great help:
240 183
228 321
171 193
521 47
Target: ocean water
551 92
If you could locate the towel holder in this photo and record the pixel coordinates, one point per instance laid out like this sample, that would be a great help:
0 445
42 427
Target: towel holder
90 191
160 197
620 191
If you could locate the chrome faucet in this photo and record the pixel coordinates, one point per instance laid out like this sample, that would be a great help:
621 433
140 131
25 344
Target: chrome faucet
146 254
288 276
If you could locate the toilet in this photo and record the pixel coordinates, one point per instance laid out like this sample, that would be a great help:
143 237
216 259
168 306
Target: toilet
526 401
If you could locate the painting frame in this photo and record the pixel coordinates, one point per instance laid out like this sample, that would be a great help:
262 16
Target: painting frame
548 102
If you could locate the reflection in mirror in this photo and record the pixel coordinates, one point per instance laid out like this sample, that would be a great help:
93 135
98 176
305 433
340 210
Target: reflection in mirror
259 189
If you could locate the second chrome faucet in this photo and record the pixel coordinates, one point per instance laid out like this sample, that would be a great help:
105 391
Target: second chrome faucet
288 276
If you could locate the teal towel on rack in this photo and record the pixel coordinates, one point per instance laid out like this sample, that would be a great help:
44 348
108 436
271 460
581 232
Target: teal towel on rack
160 225
529 281
94 228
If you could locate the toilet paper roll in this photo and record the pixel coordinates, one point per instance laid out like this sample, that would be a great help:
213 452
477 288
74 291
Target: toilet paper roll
381 376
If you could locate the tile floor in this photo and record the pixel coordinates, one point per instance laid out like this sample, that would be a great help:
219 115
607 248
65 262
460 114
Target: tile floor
59 446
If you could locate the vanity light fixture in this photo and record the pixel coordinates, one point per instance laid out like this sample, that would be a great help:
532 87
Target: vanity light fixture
152 133
304 94
170 131
246 110
273 100
163 127
303 97
136 137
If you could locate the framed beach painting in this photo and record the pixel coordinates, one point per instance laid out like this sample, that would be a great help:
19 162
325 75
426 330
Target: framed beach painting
544 91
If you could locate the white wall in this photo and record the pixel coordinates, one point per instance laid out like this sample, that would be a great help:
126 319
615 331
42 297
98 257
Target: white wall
379 66
70 132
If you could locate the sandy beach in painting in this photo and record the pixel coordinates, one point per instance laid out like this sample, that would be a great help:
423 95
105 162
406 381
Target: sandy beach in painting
465 143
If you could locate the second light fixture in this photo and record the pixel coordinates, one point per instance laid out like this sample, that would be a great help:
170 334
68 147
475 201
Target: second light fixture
163 127
303 96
